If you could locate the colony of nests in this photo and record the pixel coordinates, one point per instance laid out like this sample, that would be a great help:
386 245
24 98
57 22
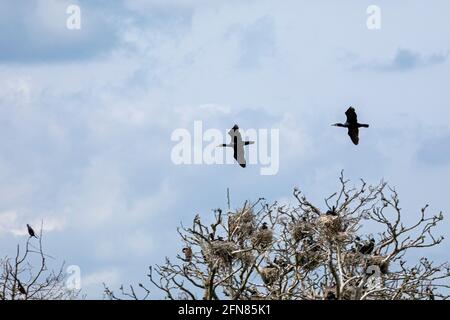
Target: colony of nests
241 225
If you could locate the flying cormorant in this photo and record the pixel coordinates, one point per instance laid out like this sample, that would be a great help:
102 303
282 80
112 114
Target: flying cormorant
352 125
238 145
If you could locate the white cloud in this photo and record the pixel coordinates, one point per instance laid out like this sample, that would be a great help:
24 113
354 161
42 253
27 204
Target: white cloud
13 223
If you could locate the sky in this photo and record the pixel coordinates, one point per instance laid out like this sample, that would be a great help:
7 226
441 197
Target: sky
86 115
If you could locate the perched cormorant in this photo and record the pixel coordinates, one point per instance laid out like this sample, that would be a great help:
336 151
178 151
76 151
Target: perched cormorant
368 247
430 293
31 231
21 288
332 212
352 125
238 145
330 296
187 254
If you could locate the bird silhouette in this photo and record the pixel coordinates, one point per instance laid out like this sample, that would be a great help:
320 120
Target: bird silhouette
187 254
21 288
264 226
238 145
368 247
330 296
332 212
352 125
31 231
430 293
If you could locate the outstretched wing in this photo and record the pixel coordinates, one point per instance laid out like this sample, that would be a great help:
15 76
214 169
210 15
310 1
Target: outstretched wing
239 155
353 133
351 116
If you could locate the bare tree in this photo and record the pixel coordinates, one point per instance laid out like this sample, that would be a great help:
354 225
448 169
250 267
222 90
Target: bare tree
26 276
272 251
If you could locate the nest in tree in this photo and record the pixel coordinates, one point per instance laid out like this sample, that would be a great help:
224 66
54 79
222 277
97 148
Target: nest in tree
309 260
300 230
269 274
311 255
341 236
246 257
378 260
241 224
262 238
221 252
329 225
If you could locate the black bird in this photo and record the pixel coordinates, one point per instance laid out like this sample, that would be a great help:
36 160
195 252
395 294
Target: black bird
21 288
330 296
430 293
264 226
238 145
368 247
332 212
31 231
352 125
187 254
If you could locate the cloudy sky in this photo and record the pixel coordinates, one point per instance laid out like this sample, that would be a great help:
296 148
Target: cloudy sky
86 115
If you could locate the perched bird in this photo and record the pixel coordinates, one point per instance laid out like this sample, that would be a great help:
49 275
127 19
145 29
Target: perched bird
368 247
352 125
332 212
264 226
430 293
330 296
21 288
238 145
187 254
31 231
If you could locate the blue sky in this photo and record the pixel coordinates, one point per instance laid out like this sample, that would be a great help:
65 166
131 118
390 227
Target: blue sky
86 115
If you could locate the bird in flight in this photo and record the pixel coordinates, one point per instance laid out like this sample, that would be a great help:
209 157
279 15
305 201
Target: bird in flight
31 231
352 125
238 145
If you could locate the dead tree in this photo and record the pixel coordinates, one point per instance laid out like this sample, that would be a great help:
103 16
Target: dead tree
272 251
26 275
